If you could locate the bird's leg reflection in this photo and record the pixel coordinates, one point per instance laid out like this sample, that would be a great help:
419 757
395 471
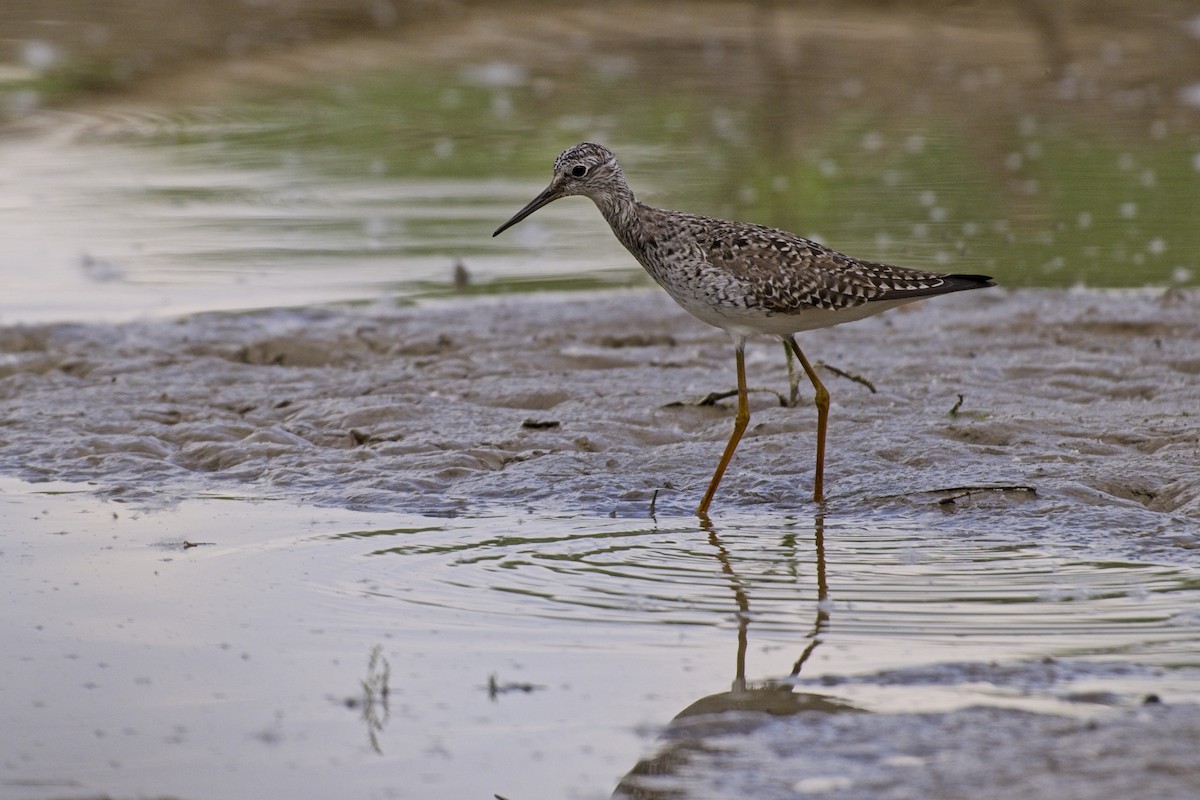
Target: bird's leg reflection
822 620
740 597
820 623
746 706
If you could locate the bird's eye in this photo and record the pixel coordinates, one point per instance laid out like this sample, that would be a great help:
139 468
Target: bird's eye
578 171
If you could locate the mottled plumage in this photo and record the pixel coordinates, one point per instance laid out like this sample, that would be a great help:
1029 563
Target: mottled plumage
746 279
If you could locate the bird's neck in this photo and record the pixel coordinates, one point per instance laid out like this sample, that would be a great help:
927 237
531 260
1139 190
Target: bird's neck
619 208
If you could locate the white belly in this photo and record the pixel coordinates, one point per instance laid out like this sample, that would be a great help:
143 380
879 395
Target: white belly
748 322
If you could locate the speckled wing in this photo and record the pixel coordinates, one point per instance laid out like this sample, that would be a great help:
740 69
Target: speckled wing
786 273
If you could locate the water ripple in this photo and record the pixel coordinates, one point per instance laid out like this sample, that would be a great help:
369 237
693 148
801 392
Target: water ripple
876 592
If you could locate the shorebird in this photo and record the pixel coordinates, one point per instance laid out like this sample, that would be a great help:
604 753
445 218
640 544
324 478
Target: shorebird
746 279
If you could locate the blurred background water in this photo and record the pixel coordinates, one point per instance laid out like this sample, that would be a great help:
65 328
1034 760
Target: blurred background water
161 158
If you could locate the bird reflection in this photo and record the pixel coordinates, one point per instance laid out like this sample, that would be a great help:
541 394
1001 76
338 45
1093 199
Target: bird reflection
742 708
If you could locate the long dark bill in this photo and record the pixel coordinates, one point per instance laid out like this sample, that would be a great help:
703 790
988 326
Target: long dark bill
548 196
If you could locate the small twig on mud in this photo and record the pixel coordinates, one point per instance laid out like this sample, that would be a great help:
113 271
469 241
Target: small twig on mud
540 424
712 398
841 373
653 500
495 688
957 405
957 493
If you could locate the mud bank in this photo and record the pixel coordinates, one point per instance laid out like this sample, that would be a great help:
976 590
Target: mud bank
563 403
976 752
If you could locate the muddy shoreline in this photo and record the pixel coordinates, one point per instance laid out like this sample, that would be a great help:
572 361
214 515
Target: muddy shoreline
531 418
563 403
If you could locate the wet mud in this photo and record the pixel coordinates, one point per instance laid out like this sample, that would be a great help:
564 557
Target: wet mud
975 752
1089 398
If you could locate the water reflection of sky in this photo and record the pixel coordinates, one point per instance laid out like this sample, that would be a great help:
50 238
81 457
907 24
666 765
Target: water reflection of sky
137 663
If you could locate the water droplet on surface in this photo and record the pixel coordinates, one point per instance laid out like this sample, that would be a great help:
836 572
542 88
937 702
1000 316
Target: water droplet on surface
40 55
497 74
502 105
1190 95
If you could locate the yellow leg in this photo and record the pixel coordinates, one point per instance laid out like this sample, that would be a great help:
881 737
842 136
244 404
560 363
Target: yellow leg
739 427
793 378
822 420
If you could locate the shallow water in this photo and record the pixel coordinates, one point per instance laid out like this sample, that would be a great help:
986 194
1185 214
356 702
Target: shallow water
371 169
137 665
120 232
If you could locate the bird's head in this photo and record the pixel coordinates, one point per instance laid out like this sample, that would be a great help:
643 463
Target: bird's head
586 169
